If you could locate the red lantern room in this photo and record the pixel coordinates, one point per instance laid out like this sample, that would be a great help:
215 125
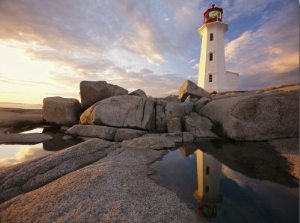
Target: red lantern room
213 14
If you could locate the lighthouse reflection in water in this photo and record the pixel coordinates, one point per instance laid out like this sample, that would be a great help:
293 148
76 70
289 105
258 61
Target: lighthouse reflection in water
221 194
209 176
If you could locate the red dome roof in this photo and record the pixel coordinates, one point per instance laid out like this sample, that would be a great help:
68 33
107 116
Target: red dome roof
213 14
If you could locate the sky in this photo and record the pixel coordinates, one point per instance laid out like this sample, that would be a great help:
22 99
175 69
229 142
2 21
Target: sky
48 47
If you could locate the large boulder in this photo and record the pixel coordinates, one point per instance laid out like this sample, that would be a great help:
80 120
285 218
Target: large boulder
94 91
139 92
174 125
189 88
178 109
102 132
61 111
125 111
160 116
198 125
127 134
258 116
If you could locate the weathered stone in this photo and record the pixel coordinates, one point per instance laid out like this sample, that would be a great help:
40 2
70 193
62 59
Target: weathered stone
24 138
139 92
29 176
115 189
94 91
127 134
189 88
151 141
11 117
175 137
257 117
187 137
200 103
124 111
102 132
199 126
174 125
61 111
178 109
160 116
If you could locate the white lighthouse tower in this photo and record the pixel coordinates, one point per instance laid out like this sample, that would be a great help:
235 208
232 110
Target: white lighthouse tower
212 68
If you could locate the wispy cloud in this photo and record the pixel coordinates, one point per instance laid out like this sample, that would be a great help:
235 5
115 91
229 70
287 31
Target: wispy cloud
143 44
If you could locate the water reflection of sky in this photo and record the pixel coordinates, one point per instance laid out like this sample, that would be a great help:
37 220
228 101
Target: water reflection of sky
244 199
13 154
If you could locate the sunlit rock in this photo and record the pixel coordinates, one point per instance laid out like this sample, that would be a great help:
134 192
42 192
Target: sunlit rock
102 132
189 88
94 91
125 111
29 176
257 117
151 141
61 111
139 92
127 134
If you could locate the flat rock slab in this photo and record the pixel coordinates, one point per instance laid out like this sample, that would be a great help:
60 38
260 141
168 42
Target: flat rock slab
26 177
30 138
114 189
150 141
10 117
102 132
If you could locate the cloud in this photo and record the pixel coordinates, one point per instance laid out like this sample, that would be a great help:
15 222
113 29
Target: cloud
272 50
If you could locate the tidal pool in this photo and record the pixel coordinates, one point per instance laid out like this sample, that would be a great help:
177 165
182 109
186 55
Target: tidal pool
11 154
222 194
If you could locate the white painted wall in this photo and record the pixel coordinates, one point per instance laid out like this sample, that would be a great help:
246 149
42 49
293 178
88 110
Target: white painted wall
216 67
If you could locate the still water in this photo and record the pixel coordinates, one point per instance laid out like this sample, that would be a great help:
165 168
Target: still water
11 154
222 194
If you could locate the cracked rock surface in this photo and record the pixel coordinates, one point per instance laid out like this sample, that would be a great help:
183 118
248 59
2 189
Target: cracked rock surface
95 181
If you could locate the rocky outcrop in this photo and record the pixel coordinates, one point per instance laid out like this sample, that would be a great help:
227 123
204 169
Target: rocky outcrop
198 125
127 134
114 189
94 91
139 92
200 103
102 132
189 88
178 109
24 138
258 116
125 111
34 174
151 141
16 117
160 116
174 125
61 111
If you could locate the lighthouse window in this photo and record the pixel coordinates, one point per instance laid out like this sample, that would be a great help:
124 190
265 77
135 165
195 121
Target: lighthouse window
206 189
207 170
210 80
211 36
211 57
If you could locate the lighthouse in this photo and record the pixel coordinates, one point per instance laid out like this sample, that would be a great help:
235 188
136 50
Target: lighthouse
212 74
